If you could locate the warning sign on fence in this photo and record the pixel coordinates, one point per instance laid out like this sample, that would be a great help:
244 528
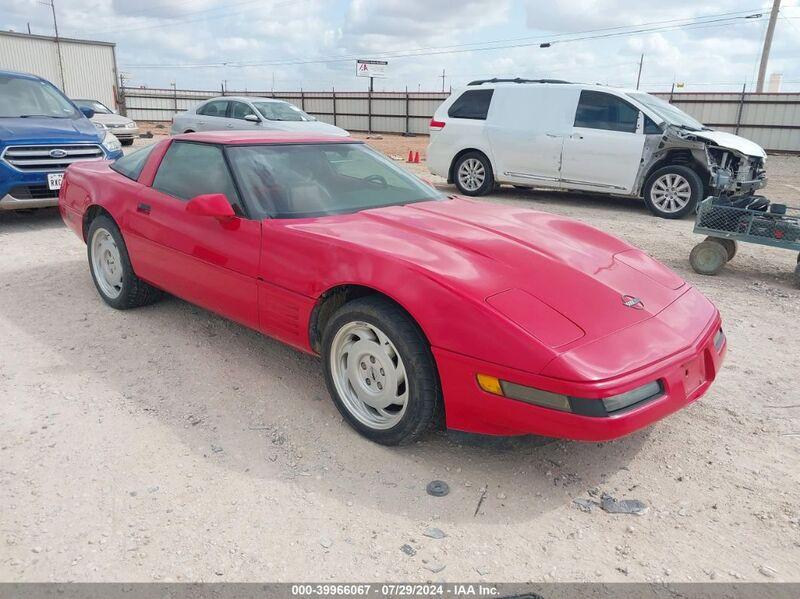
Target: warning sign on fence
371 68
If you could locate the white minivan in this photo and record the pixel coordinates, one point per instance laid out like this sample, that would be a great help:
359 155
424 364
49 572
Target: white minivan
571 136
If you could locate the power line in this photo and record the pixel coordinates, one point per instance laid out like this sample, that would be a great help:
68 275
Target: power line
644 28
175 22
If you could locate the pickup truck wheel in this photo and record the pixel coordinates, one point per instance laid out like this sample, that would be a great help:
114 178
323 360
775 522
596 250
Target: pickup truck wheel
673 191
111 268
380 371
473 174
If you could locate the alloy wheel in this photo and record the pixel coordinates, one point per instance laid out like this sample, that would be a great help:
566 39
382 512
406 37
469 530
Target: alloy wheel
369 375
671 192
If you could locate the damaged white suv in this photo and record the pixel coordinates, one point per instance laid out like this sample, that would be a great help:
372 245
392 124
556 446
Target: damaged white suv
568 136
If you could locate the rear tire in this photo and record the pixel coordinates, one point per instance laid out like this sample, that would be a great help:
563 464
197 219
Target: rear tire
708 257
111 268
473 174
126 142
730 245
380 371
673 191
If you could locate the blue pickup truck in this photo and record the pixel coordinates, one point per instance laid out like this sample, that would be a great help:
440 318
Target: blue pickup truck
41 134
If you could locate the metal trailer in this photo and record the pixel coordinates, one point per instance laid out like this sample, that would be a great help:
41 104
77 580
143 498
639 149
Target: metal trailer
725 225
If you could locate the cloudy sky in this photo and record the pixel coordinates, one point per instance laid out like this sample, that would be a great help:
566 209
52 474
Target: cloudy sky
704 44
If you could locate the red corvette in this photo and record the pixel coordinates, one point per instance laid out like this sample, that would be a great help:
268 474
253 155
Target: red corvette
426 308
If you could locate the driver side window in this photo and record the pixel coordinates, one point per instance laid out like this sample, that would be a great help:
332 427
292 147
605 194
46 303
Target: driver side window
599 110
191 169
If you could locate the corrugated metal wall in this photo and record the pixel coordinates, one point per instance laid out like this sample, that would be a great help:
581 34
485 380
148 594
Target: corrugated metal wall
89 68
771 120
392 112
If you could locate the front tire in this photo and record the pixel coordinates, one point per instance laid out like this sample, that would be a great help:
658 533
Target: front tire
473 174
380 371
111 268
673 191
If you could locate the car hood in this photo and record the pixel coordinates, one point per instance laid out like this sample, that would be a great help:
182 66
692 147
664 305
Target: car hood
48 130
111 119
519 262
732 142
307 127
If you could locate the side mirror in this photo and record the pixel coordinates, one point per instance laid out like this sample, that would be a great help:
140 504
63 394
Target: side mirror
252 118
210 204
87 111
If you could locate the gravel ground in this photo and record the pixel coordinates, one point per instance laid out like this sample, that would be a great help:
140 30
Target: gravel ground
167 443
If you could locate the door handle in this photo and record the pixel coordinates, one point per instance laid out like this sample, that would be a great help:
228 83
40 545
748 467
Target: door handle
229 125
143 208
552 135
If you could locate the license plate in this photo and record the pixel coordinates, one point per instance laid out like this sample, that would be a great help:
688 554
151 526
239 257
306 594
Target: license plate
694 374
54 180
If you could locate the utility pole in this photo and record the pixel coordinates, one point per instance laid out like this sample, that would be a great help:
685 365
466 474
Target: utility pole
442 76
762 70
639 76
51 4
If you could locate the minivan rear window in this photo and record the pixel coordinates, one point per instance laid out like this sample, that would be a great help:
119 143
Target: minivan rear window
472 104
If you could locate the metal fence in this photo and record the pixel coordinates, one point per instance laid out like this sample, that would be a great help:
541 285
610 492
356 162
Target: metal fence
770 120
386 112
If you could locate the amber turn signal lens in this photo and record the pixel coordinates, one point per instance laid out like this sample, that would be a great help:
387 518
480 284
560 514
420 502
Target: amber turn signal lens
490 384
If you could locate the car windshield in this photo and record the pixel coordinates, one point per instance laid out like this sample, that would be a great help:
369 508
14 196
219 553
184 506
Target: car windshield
281 111
306 180
668 112
98 107
22 97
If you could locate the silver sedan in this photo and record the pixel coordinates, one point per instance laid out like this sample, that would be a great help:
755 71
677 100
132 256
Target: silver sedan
244 112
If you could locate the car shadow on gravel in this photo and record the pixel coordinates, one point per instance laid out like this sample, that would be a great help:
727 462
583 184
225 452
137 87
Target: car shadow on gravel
12 221
241 401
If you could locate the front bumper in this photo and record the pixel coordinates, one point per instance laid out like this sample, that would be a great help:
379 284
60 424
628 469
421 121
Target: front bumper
124 133
22 189
685 376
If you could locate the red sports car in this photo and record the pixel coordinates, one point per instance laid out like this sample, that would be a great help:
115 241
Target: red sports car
425 308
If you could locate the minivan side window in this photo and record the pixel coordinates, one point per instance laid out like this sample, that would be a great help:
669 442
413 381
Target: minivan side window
598 110
215 108
472 104
650 127
192 169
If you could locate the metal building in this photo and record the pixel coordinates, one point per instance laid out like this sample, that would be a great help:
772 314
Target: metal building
82 68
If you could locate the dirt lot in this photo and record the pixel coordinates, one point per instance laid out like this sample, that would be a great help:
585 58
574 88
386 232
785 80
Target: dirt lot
167 443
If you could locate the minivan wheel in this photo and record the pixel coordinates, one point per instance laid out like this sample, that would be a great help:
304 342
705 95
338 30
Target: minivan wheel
673 191
473 174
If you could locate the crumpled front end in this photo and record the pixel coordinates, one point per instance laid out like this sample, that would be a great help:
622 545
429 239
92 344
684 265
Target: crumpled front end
734 173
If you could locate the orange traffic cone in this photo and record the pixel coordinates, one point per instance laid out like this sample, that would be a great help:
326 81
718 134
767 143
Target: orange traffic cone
416 157
410 156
